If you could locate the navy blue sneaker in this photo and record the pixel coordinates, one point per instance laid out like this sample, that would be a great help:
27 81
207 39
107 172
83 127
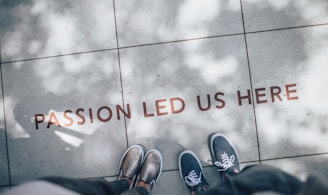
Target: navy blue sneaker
191 172
224 154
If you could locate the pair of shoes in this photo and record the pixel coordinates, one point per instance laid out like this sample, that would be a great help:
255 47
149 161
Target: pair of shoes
223 154
135 166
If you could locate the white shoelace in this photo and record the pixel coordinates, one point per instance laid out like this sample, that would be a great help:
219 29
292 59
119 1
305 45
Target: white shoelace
192 179
226 163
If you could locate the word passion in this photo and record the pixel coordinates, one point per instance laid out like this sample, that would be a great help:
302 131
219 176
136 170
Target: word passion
163 107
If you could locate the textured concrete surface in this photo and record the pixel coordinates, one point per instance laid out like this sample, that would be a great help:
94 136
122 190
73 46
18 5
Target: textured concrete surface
82 81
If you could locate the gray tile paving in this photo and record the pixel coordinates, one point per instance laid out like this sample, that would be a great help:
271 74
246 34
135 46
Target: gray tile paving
146 21
65 114
262 15
153 73
4 175
61 116
2 189
301 167
31 29
293 62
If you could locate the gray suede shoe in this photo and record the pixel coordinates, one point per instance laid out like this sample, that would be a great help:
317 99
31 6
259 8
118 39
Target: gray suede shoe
130 163
151 168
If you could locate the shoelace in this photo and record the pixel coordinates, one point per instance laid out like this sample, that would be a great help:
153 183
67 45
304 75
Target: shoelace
192 179
226 163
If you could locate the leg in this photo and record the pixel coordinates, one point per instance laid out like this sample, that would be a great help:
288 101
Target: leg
265 178
258 178
251 179
129 166
99 186
136 191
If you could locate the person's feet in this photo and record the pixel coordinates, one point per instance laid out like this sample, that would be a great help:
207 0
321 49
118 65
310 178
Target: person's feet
191 172
130 163
151 170
224 154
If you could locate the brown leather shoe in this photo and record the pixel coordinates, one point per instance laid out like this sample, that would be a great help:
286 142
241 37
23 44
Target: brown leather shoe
151 168
130 163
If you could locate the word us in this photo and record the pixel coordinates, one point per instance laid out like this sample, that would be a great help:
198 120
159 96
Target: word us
163 107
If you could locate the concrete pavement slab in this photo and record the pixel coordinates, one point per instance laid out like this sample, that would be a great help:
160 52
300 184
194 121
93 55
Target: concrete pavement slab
4 175
182 72
302 167
262 15
61 116
179 93
289 76
146 21
2 189
33 29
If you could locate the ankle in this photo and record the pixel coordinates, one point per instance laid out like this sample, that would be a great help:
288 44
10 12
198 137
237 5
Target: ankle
236 170
127 179
199 189
144 185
